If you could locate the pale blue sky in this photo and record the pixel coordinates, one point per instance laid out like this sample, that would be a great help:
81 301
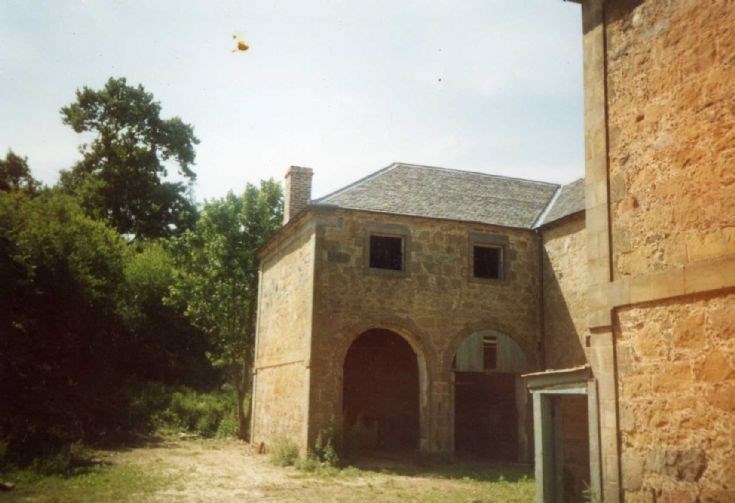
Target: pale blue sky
344 87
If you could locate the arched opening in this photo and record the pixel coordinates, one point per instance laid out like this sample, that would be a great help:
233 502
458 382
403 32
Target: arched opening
490 406
380 396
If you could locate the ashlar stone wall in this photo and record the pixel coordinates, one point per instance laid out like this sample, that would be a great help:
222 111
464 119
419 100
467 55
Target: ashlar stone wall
676 362
565 293
671 129
434 305
668 88
280 405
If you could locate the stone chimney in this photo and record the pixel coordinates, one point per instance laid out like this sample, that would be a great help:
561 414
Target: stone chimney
297 192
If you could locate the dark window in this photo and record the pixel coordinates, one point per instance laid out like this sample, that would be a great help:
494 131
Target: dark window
386 252
489 352
487 262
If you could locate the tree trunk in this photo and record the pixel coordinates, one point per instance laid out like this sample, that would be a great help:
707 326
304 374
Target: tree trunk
243 386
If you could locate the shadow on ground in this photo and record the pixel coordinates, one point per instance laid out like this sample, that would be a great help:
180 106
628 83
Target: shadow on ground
462 468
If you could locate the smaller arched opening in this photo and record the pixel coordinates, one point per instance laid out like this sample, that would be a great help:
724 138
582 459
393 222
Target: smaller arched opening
490 406
380 398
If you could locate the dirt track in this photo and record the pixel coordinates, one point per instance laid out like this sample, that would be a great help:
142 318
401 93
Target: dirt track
228 470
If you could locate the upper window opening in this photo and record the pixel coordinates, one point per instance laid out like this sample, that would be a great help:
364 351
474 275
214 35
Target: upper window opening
489 352
386 252
487 262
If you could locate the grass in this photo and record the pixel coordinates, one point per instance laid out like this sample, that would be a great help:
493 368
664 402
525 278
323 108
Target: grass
427 481
99 483
225 470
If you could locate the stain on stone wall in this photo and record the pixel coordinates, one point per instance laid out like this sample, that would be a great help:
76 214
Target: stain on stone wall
565 293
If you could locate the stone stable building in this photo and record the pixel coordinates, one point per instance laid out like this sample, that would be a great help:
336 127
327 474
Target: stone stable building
628 291
445 266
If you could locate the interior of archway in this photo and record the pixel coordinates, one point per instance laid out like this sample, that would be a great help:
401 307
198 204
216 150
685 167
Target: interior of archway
381 393
488 401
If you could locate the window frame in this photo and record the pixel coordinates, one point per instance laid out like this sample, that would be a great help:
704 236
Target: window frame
389 236
490 240
501 252
390 231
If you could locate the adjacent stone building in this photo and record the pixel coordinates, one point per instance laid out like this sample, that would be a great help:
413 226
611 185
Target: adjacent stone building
420 305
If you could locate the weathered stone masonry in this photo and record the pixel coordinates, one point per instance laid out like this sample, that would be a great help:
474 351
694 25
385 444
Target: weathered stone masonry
660 126
281 380
435 305
650 309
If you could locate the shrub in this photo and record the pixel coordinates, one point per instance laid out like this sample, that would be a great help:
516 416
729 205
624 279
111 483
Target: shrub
208 414
310 464
328 447
284 453
228 426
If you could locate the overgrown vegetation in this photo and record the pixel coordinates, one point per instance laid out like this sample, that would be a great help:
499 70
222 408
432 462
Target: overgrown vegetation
123 308
284 453
98 482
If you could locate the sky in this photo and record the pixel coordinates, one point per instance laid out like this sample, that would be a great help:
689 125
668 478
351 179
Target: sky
343 87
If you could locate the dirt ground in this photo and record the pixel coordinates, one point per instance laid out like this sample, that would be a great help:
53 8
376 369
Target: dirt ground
196 470
228 470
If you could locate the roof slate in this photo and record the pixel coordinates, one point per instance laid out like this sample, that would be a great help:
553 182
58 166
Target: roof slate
570 200
426 191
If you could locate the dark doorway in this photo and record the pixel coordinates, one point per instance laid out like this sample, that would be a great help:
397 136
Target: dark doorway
485 415
572 445
489 412
381 393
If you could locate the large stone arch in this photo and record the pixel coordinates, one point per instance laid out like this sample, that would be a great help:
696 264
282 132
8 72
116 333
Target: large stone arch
526 347
528 344
426 363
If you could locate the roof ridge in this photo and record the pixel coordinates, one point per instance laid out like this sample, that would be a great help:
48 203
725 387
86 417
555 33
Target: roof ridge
547 209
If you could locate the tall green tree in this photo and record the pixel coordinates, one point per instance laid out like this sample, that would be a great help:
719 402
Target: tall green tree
15 174
122 175
60 273
167 347
218 276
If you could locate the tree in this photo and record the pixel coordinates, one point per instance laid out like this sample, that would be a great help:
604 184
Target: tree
121 177
218 276
165 346
60 273
15 175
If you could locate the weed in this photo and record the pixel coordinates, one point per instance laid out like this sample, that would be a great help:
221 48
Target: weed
328 447
284 453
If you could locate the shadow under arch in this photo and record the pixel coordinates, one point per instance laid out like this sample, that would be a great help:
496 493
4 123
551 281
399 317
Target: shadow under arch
490 410
422 368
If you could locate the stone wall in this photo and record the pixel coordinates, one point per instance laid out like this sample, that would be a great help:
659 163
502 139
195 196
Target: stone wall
565 293
671 129
434 305
676 362
670 79
284 330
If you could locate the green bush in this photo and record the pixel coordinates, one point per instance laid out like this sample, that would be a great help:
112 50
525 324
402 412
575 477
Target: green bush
207 414
328 447
284 453
310 464
228 426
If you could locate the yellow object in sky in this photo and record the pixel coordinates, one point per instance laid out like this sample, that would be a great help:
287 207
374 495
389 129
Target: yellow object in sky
241 45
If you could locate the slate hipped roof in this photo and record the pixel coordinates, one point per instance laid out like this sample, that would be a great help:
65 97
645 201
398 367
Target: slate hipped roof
425 191
570 200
